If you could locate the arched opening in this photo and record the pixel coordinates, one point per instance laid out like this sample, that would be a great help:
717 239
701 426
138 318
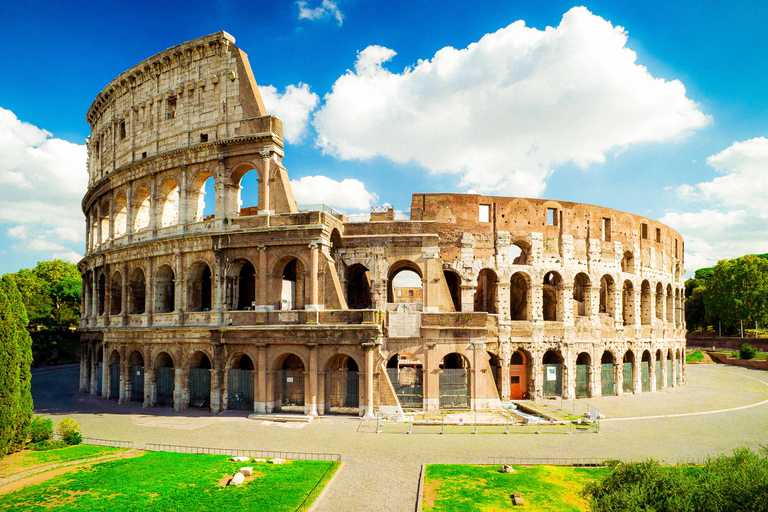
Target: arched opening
454 382
669 369
116 294
581 284
607 374
240 384
199 287
658 371
678 308
101 292
114 375
342 385
99 371
518 253
607 296
553 373
359 287
335 242
519 296
659 301
453 281
86 289
290 384
141 208
165 290
292 291
138 290
645 303
628 385
164 380
486 298
551 310
136 364
203 185
645 372
404 284
519 375
104 222
583 362
246 287
670 305
248 193
120 224
168 203
628 304
199 381
405 371
628 263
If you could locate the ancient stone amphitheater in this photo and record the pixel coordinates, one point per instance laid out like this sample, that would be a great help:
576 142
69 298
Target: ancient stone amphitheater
277 307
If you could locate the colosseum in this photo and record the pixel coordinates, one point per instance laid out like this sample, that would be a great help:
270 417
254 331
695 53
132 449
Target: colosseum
278 307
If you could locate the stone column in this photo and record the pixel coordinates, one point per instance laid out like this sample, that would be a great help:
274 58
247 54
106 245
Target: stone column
261 388
153 214
313 284
467 298
264 183
124 381
569 367
124 292
312 411
149 293
369 348
178 389
567 301
95 294
537 370
263 277
98 223
183 199
94 371
637 298
618 376
88 224
478 350
674 369
104 373
149 380
537 299
128 214
215 387
504 360
652 371
111 217
503 300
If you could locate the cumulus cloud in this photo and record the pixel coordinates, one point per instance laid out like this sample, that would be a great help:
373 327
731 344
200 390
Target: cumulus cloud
504 112
293 106
346 194
327 9
43 181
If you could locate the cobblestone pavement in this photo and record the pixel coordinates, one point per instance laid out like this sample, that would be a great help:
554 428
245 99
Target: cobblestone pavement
381 470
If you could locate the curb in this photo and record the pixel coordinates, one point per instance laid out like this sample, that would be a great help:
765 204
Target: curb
325 489
420 489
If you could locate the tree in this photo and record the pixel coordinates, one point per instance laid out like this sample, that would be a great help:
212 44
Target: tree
15 377
738 290
51 294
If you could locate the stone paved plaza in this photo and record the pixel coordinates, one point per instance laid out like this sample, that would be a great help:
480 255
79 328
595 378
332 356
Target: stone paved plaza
721 408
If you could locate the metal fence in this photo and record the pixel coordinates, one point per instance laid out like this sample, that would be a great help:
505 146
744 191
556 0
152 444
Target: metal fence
165 379
472 426
343 391
107 442
645 376
199 387
114 381
588 462
137 383
629 383
582 381
607 381
240 390
553 380
454 389
409 386
234 452
291 386
319 208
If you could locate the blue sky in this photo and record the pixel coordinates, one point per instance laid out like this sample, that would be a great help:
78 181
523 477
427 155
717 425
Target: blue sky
656 108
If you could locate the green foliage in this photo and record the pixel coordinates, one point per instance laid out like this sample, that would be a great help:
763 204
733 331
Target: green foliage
51 294
694 357
48 444
723 484
41 429
747 351
703 273
15 377
738 290
69 431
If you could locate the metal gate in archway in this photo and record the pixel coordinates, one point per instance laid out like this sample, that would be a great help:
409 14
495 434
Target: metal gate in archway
290 383
669 373
240 390
99 374
164 386
553 380
679 372
409 386
343 391
200 387
582 381
607 382
645 376
114 381
629 385
659 380
137 383
454 388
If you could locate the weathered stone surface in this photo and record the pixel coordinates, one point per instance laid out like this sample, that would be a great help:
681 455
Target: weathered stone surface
240 459
237 479
277 461
517 499
247 470
507 469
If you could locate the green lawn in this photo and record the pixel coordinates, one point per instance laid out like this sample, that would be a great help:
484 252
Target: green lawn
458 488
174 481
695 357
27 459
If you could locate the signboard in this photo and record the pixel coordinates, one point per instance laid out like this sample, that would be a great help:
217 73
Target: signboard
551 373
289 379
404 323
592 414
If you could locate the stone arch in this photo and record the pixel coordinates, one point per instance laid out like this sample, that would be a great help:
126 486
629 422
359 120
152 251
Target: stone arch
397 268
607 373
289 382
165 290
453 361
551 308
199 287
359 294
628 262
197 193
659 301
608 295
552 366
342 383
104 221
486 296
165 379
164 359
241 361
453 281
628 372
116 290
628 303
520 296
581 295
519 374
670 305
120 223
292 284
519 252
278 360
245 171
240 280
584 375
141 209
454 390
101 291
136 376
168 203
335 241
645 371
200 366
645 303
137 289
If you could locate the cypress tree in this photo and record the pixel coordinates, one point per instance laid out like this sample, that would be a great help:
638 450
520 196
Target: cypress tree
15 376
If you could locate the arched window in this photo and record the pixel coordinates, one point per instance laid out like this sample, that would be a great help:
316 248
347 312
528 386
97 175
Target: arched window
138 290
404 284
581 295
141 209
168 203
551 310
359 287
165 290
519 297
486 297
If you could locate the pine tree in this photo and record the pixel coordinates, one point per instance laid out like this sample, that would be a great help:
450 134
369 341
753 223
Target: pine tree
15 376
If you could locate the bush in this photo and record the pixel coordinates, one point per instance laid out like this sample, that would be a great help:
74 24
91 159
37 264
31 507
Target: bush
747 351
69 431
48 444
40 430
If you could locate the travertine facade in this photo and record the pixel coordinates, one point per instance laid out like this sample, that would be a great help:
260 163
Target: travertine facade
269 308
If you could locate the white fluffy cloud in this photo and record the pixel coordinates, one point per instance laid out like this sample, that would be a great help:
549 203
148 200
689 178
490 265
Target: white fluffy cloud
504 112
327 9
348 194
43 181
734 221
293 106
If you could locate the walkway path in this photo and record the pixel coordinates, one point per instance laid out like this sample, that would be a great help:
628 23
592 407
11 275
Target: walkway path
381 471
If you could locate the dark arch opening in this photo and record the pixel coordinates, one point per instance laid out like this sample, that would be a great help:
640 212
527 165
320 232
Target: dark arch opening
243 362
453 281
246 286
359 287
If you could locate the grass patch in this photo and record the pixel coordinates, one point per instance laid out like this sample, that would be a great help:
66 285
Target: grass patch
173 481
695 357
449 487
27 459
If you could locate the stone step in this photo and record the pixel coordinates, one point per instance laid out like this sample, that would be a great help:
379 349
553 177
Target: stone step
283 418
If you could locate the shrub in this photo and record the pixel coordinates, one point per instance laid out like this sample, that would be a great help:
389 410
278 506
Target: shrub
48 444
747 351
69 431
40 430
